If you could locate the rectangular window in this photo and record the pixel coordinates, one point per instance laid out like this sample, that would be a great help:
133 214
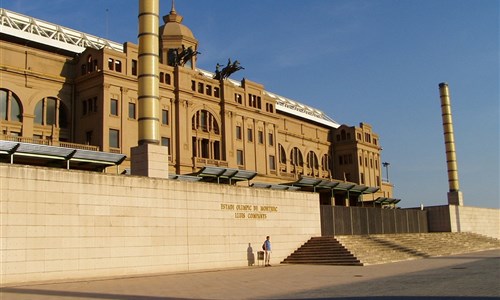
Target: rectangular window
162 77
216 92
238 132
167 78
114 138
261 137
118 66
250 134
238 98
271 139
200 88
209 90
114 107
134 67
272 162
131 110
362 178
217 150
84 107
88 138
193 85
239 157
111 64
164 117
165 141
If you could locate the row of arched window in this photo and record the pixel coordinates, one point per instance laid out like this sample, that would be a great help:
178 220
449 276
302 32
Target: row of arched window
296 159
48 110
204 121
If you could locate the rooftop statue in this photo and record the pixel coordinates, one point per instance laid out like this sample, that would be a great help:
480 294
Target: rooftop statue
180 59
229 69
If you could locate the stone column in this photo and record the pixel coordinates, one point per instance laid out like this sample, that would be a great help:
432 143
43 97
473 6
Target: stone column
149 158
454 195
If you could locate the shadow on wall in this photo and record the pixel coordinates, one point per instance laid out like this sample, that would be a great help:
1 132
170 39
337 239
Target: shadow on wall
250 255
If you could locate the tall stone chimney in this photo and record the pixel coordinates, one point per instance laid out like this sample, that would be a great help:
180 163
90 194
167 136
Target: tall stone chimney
455 196
149 158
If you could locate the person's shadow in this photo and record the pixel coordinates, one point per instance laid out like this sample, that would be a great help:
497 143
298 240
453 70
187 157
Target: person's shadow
250 255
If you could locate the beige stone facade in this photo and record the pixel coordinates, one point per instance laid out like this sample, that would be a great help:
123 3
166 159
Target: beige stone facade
60 224
90 99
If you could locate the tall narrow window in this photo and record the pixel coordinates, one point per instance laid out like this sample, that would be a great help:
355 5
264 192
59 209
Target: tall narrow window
164 117
271 139
118 66
84 107
296 157
165 141
131 110
114 138
50 118
134 67
114 107
272 162
239 157
88 138
238 132
261 137
250 134
282 155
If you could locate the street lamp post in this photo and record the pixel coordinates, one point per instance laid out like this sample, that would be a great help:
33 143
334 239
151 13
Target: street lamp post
386 165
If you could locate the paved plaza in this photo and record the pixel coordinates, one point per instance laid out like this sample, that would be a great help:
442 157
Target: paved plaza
465 276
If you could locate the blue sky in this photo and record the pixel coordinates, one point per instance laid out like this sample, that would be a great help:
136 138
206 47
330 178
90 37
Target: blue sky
373 61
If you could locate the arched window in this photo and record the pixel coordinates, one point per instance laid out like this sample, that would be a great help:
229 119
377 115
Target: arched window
296 157
282 154
325 162
51 111
203 120
206 135
312 160
10 106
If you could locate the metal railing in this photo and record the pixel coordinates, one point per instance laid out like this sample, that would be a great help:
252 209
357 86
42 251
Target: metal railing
21 139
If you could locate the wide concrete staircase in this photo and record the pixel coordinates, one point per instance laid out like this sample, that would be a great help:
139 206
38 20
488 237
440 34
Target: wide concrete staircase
385 248
322 251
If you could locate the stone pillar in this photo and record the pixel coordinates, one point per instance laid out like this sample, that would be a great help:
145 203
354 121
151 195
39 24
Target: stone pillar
454 195
149 158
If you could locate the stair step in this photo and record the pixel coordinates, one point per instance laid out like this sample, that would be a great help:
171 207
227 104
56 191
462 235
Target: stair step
379 248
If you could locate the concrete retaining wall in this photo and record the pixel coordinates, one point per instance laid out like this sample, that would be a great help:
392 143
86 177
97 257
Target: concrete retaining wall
59 224
453 218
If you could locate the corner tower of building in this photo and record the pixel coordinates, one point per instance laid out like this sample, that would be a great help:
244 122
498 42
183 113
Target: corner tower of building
175 36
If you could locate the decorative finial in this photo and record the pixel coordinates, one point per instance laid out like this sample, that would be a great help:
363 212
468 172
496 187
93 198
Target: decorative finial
172 11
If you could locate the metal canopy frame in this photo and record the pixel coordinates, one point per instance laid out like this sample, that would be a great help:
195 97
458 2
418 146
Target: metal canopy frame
225 173
44 155
324 184
274 186
184 177
332 185
384 200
